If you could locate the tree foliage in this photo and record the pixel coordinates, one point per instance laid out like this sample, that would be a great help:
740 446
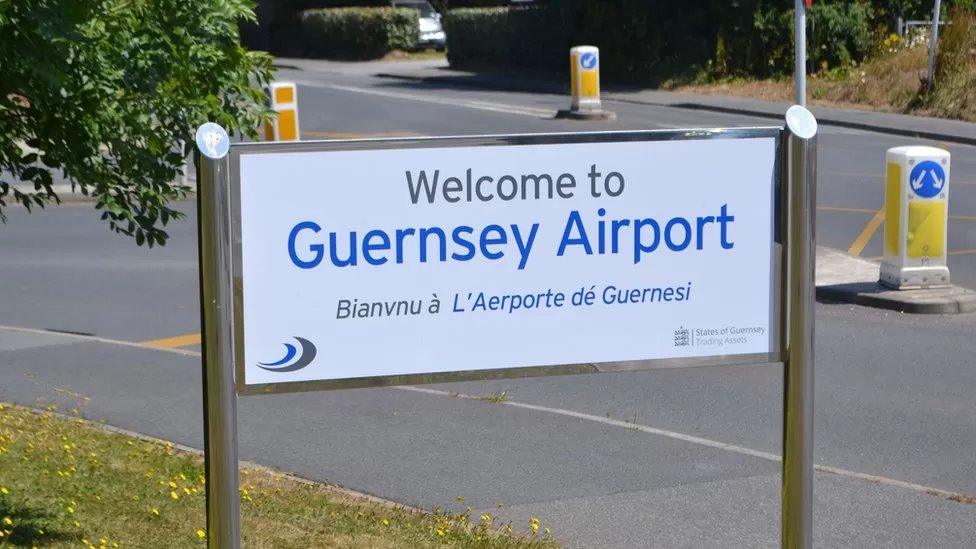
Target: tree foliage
106 94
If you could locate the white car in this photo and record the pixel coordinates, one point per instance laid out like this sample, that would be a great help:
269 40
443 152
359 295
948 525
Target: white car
431 32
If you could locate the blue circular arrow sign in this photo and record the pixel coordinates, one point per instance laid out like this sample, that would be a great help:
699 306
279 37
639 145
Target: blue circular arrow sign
927 179
588 60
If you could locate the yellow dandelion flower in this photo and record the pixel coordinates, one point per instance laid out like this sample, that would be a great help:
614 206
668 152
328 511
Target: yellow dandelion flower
71 510
201 533
172 484
154 512
3 490
77 524
8 521
386 522
174 495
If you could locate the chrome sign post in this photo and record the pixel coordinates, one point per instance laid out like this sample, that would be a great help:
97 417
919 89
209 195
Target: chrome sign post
377 262
801 177
219 398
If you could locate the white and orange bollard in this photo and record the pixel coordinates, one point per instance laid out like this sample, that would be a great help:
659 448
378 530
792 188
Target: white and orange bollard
284 101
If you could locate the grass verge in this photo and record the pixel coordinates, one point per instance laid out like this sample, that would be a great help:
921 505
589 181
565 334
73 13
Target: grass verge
67 483
894 80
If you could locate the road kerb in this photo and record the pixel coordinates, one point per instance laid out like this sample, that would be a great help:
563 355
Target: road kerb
844 278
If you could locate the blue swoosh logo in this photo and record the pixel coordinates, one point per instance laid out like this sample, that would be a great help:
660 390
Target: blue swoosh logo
304 359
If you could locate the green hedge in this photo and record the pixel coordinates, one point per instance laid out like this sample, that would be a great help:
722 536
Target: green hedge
485 37
358 33
650 41
838 34
477 37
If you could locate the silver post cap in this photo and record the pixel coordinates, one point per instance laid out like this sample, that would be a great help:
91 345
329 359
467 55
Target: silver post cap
212 140
801 122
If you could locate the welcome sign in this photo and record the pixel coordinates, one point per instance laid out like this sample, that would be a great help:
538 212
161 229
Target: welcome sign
399 261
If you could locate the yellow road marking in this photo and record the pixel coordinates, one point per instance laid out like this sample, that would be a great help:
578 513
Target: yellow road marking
871 211
862 239
845 209
173 342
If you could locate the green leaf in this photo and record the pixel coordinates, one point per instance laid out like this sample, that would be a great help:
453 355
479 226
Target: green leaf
116 89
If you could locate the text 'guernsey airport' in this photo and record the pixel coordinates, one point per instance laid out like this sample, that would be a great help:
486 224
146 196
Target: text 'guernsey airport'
592 233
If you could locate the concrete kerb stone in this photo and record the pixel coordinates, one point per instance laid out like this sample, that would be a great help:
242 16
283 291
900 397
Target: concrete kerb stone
905 125
847 279
827 120
567 114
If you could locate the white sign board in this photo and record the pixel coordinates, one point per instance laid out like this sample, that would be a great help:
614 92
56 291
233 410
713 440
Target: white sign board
413 259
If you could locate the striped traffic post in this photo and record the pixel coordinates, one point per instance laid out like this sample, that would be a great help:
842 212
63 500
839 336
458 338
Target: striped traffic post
284 101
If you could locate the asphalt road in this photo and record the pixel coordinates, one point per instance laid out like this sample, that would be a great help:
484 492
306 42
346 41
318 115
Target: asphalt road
660 458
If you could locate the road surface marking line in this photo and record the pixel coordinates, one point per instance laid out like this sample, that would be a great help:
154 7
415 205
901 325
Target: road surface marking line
173 342
608 421
862 239
96 339
871 211
963 252
846 210
938 492
439 100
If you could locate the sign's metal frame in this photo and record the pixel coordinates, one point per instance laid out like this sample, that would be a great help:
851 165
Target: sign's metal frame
791 322
234 221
